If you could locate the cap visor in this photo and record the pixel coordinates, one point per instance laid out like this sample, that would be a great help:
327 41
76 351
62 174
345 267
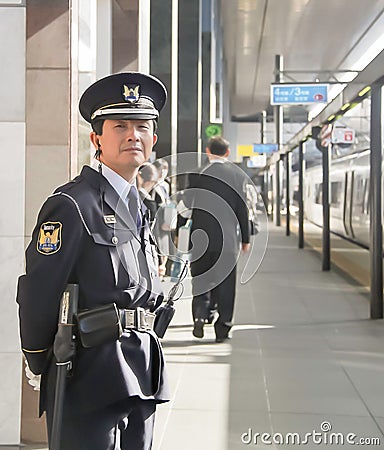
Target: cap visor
127 116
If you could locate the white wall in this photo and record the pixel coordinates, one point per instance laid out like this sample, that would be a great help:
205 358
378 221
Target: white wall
12 183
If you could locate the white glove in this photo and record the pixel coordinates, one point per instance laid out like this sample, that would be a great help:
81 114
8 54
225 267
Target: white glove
33 380
184 212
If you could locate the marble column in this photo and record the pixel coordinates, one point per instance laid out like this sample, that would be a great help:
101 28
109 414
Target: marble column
48 158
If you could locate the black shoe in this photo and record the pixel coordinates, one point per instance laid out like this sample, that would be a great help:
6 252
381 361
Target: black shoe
220 340
198 328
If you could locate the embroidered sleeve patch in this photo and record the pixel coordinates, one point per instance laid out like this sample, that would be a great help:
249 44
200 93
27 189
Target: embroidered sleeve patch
49 239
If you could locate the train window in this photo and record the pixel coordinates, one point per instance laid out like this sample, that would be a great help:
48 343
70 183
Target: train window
336 193
319 193
359 193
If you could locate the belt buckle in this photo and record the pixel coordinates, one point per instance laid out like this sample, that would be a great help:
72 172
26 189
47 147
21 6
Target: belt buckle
141 323
150 319
129 318
144 319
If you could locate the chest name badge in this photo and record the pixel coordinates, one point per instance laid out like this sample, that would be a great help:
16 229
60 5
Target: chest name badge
49 239
110 219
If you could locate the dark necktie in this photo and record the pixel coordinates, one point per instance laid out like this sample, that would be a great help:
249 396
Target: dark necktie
134 206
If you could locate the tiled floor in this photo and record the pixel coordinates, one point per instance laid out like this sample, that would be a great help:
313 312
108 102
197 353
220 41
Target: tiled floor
304 356
305 363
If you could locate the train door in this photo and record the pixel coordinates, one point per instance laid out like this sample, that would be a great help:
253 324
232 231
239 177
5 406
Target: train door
271 197
360 216
348 197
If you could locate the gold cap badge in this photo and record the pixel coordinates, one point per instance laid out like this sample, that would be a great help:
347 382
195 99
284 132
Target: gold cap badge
131 93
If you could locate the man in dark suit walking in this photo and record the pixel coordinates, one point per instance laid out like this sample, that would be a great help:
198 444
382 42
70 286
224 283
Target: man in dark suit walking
219 229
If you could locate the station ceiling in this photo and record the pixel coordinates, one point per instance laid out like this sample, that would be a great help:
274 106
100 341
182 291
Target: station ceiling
318 38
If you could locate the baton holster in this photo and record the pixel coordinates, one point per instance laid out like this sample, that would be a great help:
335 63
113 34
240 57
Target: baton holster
64 347
164 315
99 326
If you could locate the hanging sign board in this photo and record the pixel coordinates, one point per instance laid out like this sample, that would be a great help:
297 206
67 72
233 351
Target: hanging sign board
265 148
257 149
342 135
298 94
245 150
257 161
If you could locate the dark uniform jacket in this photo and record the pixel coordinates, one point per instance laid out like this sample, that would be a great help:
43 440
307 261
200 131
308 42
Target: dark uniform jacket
219 209
84 234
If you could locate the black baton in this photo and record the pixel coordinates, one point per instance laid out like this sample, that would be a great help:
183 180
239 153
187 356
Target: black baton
64 351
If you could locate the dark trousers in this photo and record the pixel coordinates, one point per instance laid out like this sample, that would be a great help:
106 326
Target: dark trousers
127 425
214 282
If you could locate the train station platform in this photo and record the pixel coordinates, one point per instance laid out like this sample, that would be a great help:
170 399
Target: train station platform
304 358
304 367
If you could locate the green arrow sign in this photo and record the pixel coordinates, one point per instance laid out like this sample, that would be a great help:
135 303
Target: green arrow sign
213 130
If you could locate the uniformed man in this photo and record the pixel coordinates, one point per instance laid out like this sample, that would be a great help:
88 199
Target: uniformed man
93 232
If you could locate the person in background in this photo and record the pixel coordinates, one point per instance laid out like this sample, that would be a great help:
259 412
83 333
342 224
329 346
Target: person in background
162 228
146 180
219 229
161 191
93 231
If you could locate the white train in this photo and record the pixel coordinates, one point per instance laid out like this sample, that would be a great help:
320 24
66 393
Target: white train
349 196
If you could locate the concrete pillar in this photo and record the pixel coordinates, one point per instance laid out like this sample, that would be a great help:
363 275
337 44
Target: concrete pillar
144 36
161 67
84 57
104 38
189 86
376 221
123 36
206 48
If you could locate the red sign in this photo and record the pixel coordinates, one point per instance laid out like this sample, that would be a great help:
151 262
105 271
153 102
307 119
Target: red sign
343 135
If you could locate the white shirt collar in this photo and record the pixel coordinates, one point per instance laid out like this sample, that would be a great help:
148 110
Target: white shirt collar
217 160
119 184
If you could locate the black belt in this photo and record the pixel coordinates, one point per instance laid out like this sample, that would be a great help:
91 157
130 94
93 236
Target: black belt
137 319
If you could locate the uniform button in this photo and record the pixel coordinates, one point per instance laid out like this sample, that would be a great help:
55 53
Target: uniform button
115 240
